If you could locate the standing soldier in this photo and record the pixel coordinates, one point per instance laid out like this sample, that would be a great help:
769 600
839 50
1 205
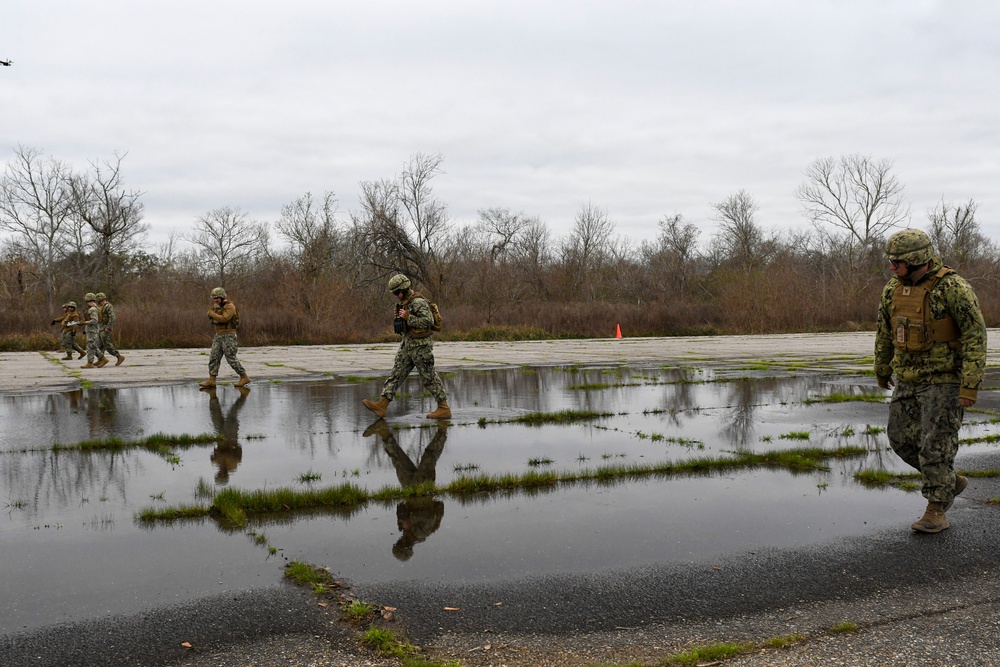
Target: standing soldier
106 317
414 320
931 335
70 323
93 327
226 320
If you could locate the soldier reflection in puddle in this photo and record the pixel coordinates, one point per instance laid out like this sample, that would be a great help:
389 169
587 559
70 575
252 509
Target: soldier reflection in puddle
417 518
228 453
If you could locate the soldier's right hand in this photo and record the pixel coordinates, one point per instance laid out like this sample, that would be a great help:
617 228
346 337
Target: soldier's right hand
53 322
884 381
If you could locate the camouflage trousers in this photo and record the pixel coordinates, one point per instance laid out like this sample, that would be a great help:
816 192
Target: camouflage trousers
68 341
923 430
224 345
104 340
419 354
94 351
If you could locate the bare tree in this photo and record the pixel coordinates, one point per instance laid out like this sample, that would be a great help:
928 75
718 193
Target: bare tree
740 238
532 255
587 246
426 213
312 231
957 235
113 214
35 205
675 251
402 226
227 241
855 194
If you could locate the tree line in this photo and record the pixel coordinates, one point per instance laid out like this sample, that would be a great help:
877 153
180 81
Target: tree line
317 275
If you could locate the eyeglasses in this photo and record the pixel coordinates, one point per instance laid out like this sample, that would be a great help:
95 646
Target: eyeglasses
894 263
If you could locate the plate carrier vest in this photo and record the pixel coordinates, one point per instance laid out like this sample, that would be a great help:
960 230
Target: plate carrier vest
912 328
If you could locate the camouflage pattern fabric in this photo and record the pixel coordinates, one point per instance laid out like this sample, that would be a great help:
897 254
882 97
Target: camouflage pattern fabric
963 364
104 342
224 345
923 430
94 352
68 341
107 316
419 354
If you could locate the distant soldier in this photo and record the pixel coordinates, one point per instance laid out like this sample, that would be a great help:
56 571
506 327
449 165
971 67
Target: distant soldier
931 335
95 357
414 320
106 317
225 320
70 322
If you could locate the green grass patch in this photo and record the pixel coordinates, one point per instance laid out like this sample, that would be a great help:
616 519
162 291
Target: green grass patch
237 505
385 642
795 435
784 641
562 417
839 397
158 443
843 626
710 653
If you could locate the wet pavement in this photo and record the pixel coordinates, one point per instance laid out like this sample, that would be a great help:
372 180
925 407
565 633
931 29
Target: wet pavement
72 551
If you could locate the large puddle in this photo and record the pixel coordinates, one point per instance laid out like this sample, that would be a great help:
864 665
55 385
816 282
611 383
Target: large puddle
71 546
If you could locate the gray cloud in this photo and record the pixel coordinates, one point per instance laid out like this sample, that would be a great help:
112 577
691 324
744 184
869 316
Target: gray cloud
641 108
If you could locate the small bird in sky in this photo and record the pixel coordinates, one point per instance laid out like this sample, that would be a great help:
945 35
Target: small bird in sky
6 63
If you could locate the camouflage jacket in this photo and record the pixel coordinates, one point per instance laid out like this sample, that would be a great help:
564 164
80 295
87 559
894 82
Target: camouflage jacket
93 323
963 362
106 316
420 319
67 318
222 317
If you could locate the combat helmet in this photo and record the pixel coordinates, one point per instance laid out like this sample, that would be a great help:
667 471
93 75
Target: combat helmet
399 282
70 304
101 296
219 292
911 246
89 296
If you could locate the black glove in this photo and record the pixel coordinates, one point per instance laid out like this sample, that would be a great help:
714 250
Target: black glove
53 322
884 381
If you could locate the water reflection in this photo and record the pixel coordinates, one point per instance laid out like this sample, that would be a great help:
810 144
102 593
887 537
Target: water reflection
418 517
227 453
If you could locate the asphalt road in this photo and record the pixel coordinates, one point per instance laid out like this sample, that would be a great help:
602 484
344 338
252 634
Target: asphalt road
910 599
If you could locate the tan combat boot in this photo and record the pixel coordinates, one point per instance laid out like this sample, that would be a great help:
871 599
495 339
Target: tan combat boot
378 408
102 362
960 483
442 412
121 358
243 381
82 355
933 520
69 355
88 365
210 382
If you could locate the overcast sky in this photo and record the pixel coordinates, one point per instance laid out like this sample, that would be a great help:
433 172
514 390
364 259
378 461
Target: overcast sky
643 109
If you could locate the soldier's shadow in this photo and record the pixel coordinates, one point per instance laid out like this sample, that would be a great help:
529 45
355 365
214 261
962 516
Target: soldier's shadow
416 518
228 453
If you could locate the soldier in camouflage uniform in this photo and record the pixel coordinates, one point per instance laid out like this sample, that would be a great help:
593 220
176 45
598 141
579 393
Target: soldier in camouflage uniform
70 322
224 317
930 335
106 317
95 356
415 319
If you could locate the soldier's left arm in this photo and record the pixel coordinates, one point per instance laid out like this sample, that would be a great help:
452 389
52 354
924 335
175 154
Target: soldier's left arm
963 305
111 317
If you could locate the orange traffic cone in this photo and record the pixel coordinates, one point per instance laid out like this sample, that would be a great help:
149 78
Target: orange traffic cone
618 331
